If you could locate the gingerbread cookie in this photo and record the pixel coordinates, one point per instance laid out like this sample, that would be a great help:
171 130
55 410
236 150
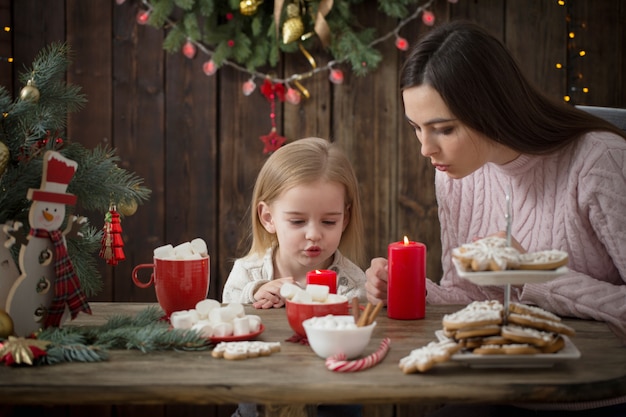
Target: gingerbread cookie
472 332
509 349
475 314
535 311
540 324
424 358
487 254
543 260
244 349
528 335
557 344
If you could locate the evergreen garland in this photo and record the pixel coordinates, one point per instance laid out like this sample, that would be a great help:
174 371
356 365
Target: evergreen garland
227 34
146 332
28 128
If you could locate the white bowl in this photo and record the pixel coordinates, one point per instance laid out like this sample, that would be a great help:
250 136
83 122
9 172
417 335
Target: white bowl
326 341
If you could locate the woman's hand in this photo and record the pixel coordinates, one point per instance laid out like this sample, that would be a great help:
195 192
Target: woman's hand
268 295
376 284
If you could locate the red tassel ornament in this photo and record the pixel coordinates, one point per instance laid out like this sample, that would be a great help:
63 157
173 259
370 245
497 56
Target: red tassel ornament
112 243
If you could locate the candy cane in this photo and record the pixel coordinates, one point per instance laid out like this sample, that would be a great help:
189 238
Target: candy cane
338 363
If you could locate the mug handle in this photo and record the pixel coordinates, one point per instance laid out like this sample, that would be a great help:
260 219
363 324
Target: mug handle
136 278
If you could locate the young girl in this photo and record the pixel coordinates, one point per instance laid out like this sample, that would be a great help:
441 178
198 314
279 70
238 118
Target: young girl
487 131
305 215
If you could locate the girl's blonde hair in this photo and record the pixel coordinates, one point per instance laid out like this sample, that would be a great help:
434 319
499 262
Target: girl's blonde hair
306 161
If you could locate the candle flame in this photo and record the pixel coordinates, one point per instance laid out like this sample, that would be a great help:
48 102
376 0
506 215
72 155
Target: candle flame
406 240
317 271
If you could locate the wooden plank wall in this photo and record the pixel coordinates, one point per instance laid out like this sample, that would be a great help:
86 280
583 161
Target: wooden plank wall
195 139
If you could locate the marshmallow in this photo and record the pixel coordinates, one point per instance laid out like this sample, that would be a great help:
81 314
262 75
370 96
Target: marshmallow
241 326
199 246
203 307
288 290
183 251
302 297
164 252
318 292
204 328
222 315
335 298
222 329
181 319
254 322
237 309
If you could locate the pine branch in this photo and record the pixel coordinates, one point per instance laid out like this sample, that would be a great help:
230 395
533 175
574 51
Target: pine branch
29 128
146 332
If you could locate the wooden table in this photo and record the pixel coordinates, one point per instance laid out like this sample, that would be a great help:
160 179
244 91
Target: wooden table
288 381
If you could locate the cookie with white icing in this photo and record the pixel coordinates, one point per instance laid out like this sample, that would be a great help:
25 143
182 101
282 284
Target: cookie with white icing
543 260
424 358
475 314
244 349
487 254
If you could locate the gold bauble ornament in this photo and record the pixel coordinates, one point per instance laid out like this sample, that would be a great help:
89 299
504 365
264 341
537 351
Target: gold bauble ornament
30 92
6 325
249 7
293 28
4 157
127 208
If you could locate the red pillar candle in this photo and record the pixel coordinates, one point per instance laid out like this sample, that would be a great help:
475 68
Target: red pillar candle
323 277
406 291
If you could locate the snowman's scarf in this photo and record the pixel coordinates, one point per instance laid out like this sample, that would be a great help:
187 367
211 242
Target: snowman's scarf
66 285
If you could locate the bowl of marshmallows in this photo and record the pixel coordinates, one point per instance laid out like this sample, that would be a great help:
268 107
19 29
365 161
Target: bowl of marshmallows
312 301
332 335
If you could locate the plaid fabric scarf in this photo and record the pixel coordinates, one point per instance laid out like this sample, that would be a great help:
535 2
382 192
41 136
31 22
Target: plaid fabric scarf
66 285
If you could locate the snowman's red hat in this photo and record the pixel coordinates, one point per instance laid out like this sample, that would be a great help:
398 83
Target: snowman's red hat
58 171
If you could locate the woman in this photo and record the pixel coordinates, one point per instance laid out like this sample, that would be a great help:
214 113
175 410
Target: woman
487 132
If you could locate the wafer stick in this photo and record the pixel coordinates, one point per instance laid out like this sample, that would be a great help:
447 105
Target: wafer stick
356 311
374 313
363 319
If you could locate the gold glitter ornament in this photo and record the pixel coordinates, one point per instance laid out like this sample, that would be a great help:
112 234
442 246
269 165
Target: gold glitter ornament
4 157
127 208
249 7
293 28
30 92
6 325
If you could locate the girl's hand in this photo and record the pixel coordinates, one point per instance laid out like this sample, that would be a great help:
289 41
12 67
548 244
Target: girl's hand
268 295
376 284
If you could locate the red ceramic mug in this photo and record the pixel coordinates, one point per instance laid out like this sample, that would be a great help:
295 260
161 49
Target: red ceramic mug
179 283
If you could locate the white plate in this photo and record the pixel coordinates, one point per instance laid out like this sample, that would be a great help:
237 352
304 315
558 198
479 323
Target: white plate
540 360
510 276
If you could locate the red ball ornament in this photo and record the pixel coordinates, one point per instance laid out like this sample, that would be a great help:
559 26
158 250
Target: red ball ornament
248 87
402 44
189 49
428 18
229 16
293 96
336 76
209 67
143 16
231 43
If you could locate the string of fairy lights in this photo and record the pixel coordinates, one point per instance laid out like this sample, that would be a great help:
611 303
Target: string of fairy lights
293 95
575 85
575 88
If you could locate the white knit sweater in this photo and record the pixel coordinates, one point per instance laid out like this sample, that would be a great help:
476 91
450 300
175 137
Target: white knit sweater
574 201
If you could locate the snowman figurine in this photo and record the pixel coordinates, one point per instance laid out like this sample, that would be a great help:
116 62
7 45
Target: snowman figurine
48 282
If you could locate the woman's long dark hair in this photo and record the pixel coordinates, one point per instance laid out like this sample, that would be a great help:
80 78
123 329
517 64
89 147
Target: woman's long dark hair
483 87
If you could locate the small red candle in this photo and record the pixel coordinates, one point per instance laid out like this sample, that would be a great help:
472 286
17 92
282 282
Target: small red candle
323 277
406 291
